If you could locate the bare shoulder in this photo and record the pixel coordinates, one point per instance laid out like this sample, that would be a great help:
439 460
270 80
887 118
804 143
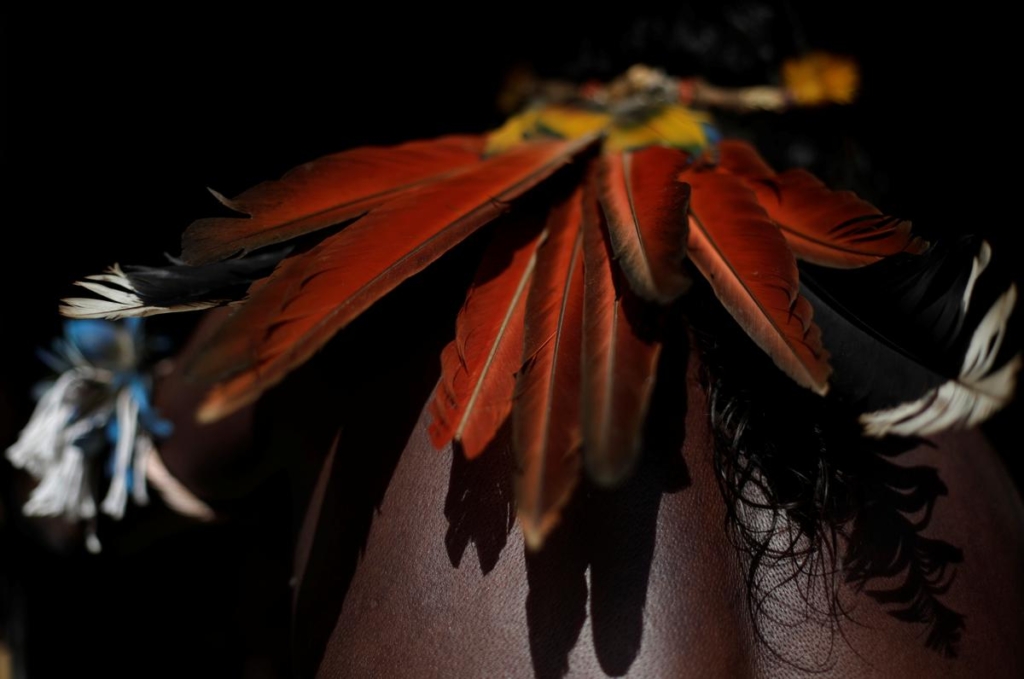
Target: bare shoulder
645 580
931 576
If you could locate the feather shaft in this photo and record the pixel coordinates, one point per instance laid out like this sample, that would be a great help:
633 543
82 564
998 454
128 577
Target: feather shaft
474 397
645 206
620 358
546 419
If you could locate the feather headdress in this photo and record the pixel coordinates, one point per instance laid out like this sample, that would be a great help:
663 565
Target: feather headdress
560 331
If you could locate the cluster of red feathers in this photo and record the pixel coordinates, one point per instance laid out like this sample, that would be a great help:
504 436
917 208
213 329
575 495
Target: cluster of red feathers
556 331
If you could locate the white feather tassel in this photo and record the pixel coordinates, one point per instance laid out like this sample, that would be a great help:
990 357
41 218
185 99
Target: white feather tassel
58 446
41 441
127 419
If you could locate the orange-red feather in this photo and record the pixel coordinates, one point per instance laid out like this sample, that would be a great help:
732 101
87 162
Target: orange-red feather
752 270
740 158
826 227
478 367
546 420
620 359
325 192
311 296
645 205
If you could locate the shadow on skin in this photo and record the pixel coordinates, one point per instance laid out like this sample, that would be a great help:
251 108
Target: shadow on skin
609 532
479 505
887 542
370 386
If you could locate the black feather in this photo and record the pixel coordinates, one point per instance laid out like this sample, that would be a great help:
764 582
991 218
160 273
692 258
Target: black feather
180 284
899 329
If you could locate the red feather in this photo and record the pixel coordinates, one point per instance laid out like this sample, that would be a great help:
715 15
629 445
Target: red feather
620 359
478 374
325 192
645 204
741 159
311 296
830 228
748 264
546 422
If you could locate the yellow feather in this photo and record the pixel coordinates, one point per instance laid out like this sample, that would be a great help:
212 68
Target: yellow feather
671 125
821 78
569 123
562 122
512 132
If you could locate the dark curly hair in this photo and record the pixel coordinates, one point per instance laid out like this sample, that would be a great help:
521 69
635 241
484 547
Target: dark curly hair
803 486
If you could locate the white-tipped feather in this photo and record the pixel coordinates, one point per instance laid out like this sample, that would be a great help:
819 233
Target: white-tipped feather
979 264
971 398
988 338
111 293
117 299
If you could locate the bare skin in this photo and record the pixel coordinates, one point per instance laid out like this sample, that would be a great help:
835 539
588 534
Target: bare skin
409 563
645 581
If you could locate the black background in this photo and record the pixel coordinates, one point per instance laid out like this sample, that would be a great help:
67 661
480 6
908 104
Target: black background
115 121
